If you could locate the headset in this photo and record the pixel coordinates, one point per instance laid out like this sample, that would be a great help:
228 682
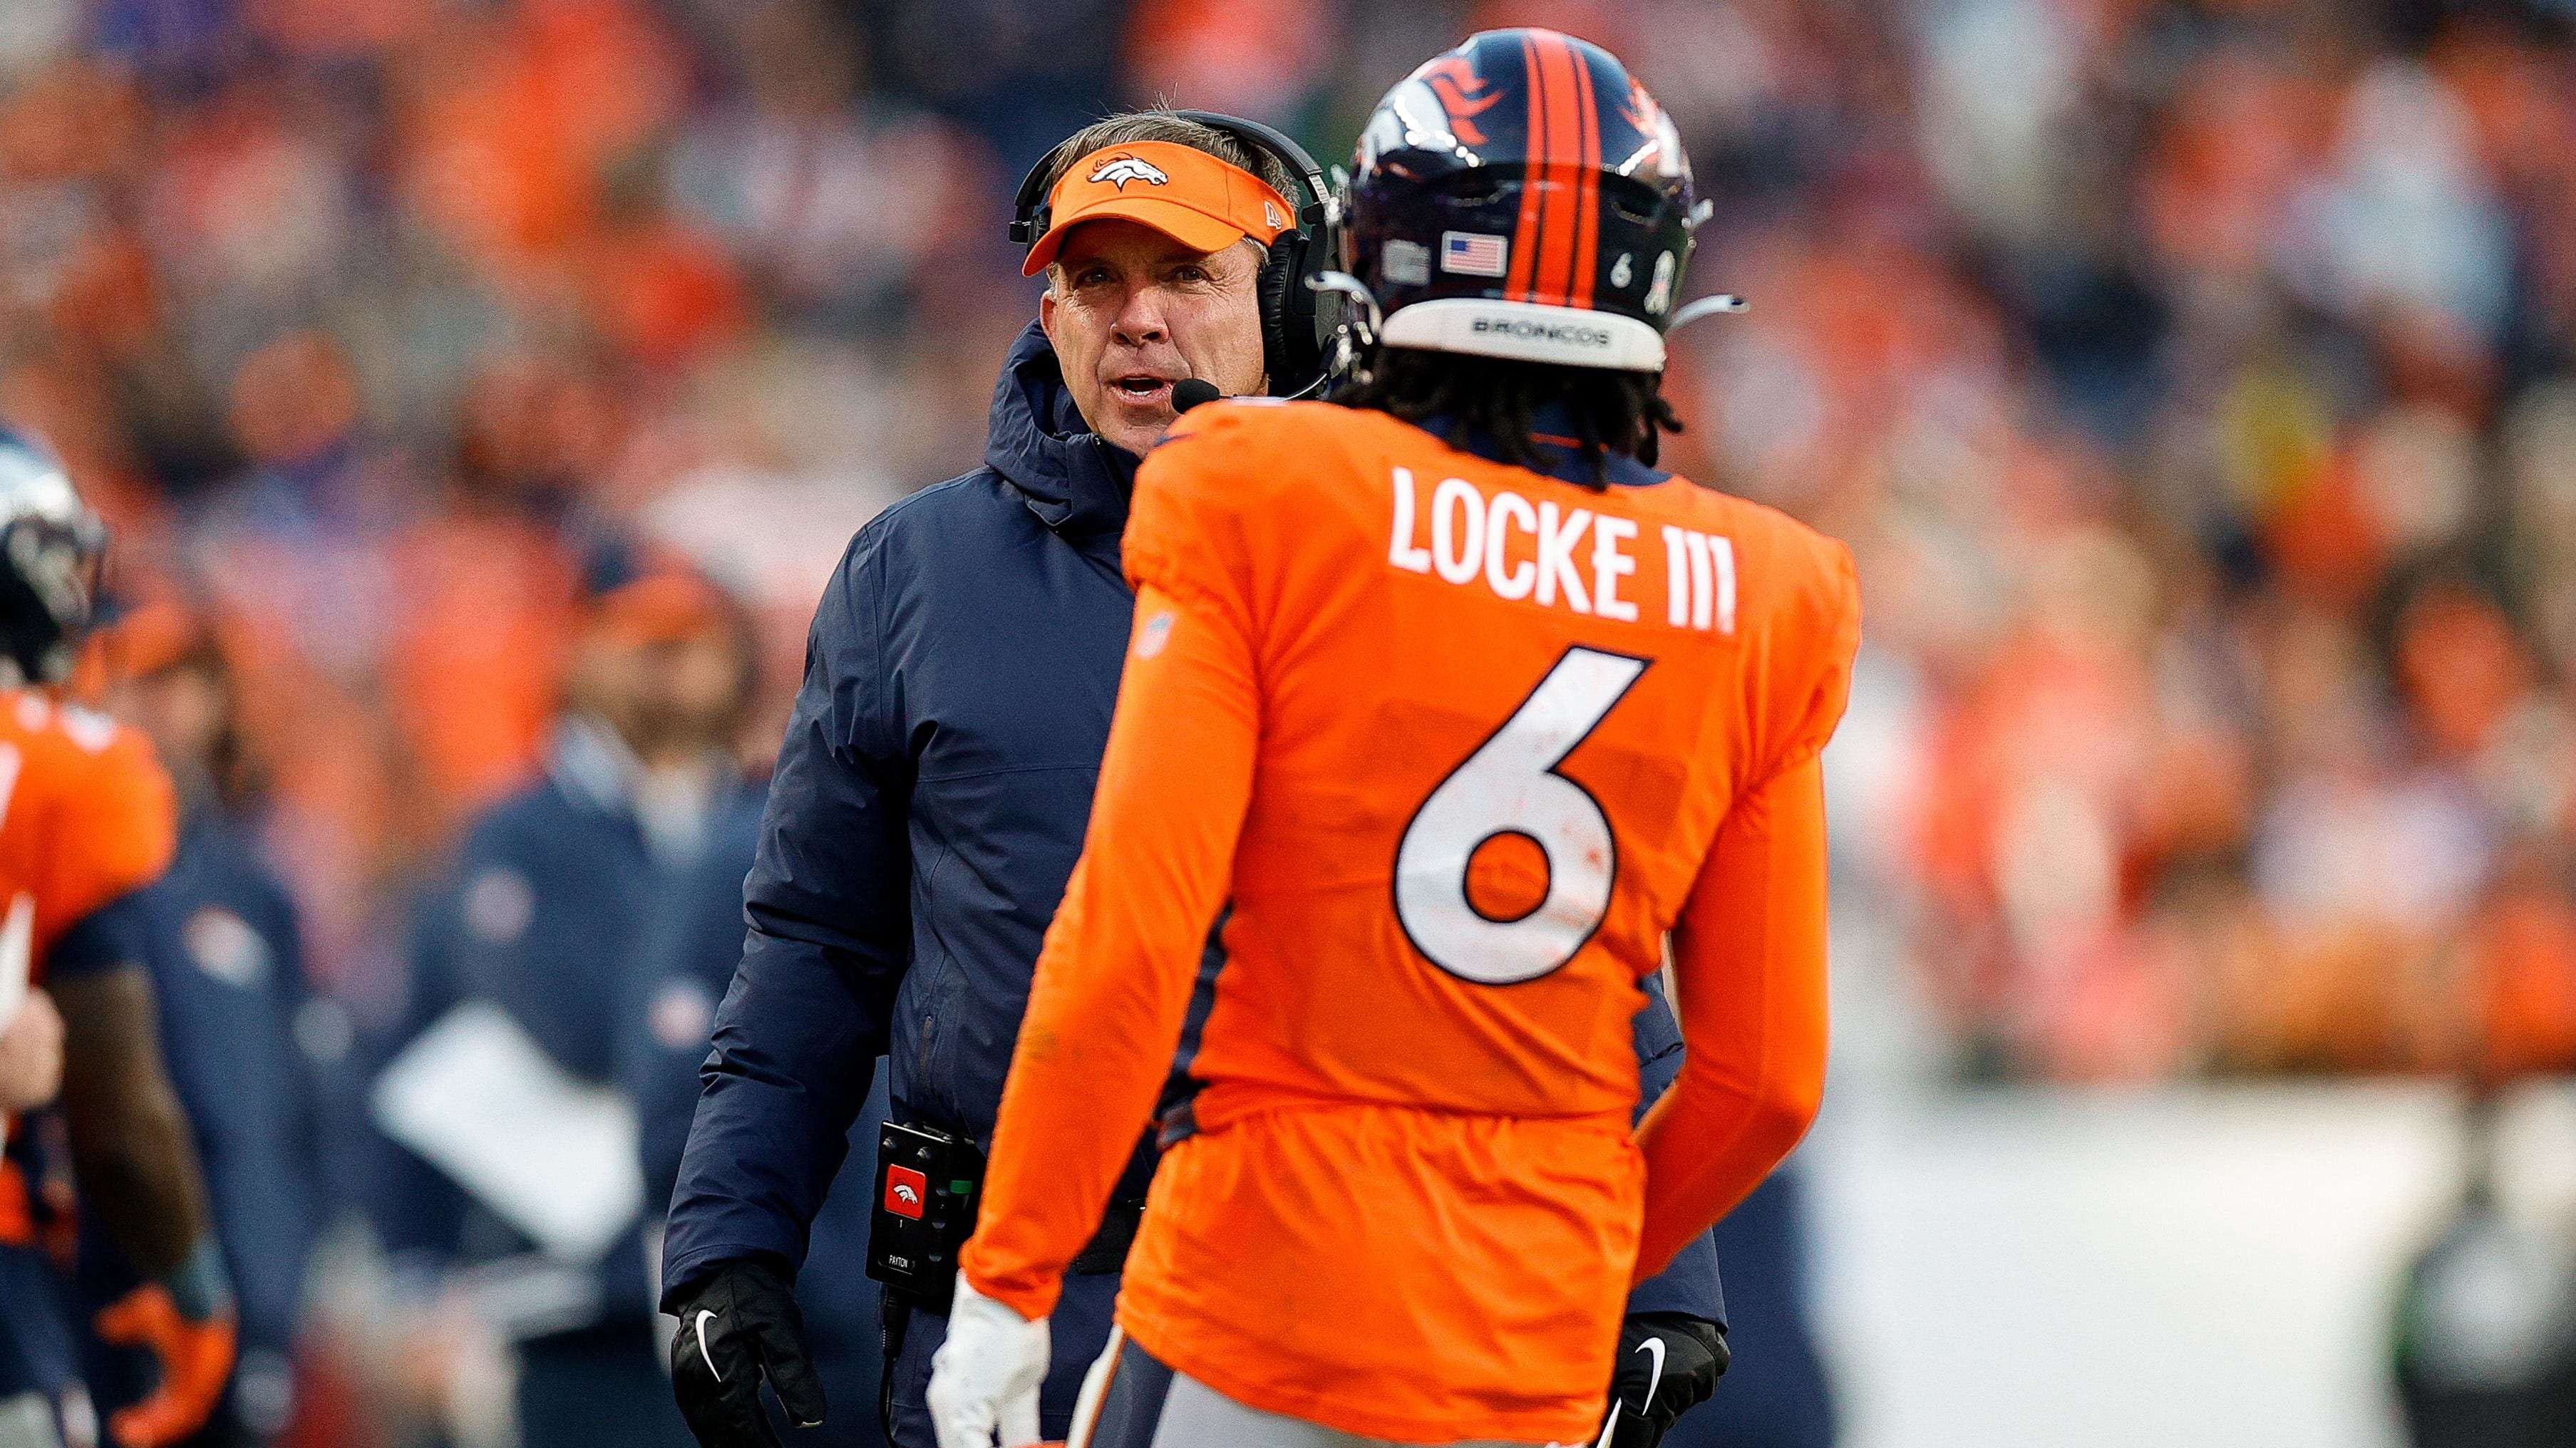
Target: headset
1301 319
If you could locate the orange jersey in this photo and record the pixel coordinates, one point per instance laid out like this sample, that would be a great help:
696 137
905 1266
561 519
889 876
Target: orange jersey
1462 745
87 814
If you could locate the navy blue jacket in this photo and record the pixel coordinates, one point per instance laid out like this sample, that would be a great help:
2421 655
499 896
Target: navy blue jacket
929 803
542 916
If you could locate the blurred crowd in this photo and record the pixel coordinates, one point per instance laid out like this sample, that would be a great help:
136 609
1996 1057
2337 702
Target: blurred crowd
2194 384
2194 379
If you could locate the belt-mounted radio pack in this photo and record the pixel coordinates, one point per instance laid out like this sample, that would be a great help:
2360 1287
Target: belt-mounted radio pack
927 1185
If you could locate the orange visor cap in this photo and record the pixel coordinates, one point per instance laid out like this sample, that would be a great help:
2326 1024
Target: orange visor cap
658 608
1183 192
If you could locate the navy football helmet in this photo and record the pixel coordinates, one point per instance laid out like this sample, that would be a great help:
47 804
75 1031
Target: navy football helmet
1523 196
50 548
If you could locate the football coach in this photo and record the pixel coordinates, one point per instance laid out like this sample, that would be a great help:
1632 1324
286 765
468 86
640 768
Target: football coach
931 795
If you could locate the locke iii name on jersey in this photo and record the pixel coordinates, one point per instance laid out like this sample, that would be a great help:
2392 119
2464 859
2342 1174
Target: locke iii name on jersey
1525 550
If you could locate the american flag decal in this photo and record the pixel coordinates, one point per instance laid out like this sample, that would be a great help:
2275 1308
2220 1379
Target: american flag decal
1474 253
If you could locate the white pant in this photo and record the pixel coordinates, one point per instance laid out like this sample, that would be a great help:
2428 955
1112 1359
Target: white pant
27 1421
1198 1416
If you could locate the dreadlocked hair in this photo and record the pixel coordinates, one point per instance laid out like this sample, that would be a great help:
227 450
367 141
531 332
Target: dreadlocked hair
1499 400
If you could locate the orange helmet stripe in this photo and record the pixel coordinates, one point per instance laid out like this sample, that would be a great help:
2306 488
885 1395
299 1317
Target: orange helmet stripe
1556 67
1519 284
1587 199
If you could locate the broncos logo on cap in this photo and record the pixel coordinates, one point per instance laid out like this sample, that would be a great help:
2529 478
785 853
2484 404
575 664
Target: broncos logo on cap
1119 170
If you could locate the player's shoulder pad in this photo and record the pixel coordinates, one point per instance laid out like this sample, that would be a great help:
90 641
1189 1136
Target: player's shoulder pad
123 763
1243 445
1244 420
1801 573
1216 486
77 741
109 785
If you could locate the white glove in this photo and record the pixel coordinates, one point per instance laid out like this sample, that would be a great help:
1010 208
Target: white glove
984 1378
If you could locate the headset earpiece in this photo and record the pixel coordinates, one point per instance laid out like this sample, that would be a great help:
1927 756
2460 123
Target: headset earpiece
1282 266
1029 204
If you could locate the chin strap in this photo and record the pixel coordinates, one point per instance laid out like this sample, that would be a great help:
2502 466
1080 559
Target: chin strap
1350 286
1358 334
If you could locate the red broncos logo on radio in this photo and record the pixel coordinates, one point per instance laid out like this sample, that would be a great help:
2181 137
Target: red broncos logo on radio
904 1190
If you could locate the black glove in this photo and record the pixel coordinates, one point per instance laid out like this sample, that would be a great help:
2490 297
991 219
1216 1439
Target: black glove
1669 1363
735 1322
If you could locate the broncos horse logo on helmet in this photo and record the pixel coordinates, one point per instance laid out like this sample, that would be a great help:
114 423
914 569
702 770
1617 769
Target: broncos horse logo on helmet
1524 197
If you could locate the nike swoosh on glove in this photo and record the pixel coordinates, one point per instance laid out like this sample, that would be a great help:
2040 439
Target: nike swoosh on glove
737 1323
1669 1363
984 1378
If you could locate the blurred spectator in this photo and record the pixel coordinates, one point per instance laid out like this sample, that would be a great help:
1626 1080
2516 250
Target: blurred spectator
485 583
1241 57
2164 453
296 554
1022 77
688 946
830 197
543 917
2485 1348
227 970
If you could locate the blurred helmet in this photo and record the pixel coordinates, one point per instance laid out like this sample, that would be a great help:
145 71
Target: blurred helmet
1523 196
50 546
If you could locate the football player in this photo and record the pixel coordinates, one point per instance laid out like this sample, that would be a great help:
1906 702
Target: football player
228 976
87 820
1463 710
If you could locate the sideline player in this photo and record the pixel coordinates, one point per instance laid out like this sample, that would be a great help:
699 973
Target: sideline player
87 819
1465 709
228 976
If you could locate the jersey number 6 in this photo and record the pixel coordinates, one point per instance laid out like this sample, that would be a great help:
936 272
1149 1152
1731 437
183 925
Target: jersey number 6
1510 786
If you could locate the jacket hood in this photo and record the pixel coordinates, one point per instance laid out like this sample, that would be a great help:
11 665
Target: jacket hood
1075 480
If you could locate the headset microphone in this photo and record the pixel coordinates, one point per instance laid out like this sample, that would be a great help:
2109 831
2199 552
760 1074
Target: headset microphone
1190 392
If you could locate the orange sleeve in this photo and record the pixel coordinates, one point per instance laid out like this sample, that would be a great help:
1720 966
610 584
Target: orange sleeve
1114 979
1749 965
